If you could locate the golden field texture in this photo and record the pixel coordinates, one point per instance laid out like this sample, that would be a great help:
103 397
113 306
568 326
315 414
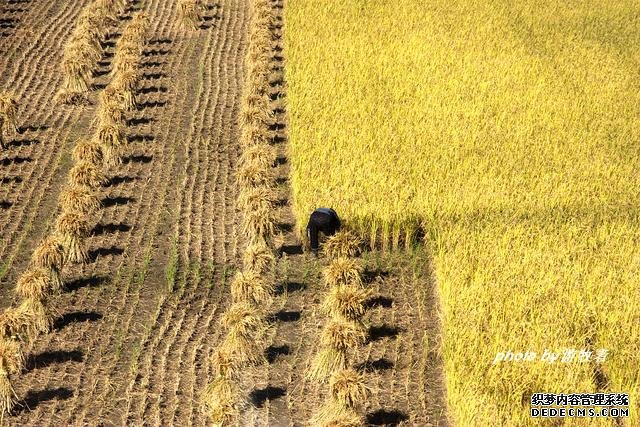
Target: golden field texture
510 131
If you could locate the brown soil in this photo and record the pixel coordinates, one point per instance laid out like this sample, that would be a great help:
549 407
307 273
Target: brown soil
136 328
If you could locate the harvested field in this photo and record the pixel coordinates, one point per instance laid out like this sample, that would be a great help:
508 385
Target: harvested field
134 330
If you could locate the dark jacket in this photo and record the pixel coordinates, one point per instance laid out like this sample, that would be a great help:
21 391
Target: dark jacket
322 219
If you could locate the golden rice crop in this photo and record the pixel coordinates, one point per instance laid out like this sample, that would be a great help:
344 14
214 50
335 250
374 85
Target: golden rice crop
344 243
84 31
34 283
112 138
124 62
129 49
11 362
224 365
347 391
79 199
137 29
87 150
127 55
77 72
259 74
26 321
255 134
113 113
12 323
221 398
88 174
90 15
255 104
346 302
21 322
246 349
110 98
246 318
258 257
257 198
8 115
252 287
337 339
263 21
262 7
112 110
256 115
84 50
265 18
114 7
260 36
191 13
348 388
126 82
245 330
72 229
510 135
73 223
8 397
335 418
128 95
135 33
259 225
126 74
343 271
326 361
258 56
49 254
91 34
11 356
97 16
261 153
255 174
36 317
342 335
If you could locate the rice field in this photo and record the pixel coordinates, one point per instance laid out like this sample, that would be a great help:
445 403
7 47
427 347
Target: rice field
159 160
510 133
150 269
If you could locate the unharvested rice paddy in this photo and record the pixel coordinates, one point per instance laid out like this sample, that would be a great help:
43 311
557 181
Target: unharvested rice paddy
509 131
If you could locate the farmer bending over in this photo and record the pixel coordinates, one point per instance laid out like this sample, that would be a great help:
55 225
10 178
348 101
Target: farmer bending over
322 219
